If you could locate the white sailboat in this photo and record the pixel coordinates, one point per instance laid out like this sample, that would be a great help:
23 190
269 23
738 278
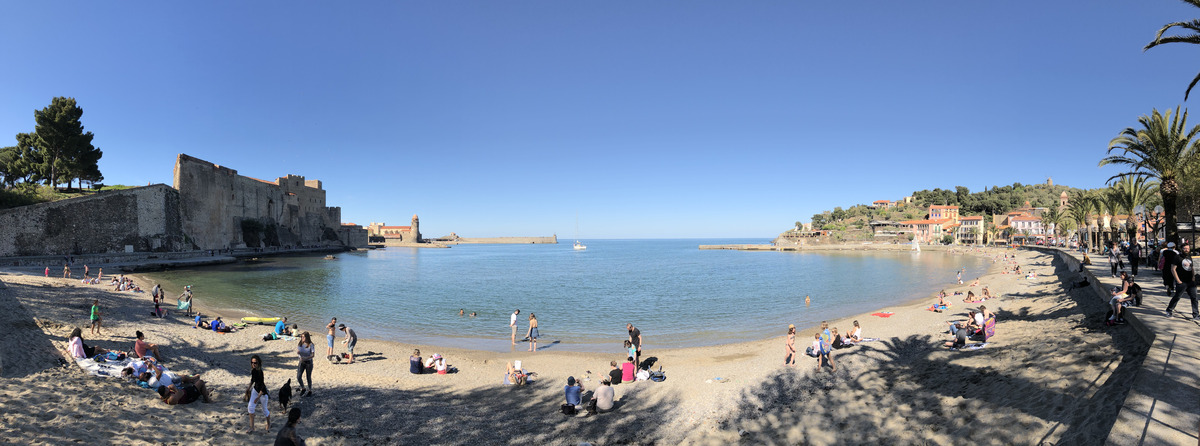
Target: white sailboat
578 246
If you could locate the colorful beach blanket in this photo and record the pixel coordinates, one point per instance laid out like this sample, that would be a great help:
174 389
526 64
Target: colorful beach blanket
109 369
883 314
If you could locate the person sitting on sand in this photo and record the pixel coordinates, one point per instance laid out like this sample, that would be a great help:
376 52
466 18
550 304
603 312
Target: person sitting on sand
970 297
855 335
987 294
960 336
614 374
976 282
572 391
954 326
287 435
142 348
603 395
838 342
436 363
415 366
78 349
814 350
628 370
219 326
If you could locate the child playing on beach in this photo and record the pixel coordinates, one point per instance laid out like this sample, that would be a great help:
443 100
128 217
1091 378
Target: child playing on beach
95 317
629 348
789 358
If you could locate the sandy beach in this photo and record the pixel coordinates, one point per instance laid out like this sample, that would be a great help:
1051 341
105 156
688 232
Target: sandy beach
1054 373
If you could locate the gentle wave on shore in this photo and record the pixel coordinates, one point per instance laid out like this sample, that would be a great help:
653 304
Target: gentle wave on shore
679 296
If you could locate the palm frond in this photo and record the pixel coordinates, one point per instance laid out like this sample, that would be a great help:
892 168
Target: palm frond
1189 89
1193 25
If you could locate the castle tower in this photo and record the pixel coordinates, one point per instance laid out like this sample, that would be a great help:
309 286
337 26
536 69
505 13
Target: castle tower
416 229
1063 200
1050 181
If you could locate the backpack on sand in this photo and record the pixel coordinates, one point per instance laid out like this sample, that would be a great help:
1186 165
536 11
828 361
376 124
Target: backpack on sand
658 376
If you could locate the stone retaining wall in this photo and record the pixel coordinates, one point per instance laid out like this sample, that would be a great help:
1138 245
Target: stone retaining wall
146 218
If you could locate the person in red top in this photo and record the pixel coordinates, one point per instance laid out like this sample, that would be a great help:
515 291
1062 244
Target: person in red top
141 347
627 370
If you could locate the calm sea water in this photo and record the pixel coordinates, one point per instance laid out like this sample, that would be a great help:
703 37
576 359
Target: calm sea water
676 294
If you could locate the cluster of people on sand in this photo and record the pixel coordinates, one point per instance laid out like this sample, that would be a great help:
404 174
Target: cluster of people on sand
350 339
824 342
217 325
123 283
971 328
601 399
436 364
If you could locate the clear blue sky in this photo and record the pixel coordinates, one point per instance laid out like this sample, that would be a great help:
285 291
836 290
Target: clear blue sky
647 119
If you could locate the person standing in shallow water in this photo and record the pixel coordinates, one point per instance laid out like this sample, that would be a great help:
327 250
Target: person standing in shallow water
512 323
533 332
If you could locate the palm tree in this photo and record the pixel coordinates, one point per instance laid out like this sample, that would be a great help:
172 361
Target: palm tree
1107 204
1082 206
1194 38
1051 219
1133 191
1165 150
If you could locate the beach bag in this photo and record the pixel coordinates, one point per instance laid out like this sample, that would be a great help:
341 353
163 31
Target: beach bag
567 409
591 407
658 376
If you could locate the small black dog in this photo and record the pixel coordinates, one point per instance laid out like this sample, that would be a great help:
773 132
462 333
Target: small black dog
285 394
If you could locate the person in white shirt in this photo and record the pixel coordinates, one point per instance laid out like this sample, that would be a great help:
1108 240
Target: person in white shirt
512 322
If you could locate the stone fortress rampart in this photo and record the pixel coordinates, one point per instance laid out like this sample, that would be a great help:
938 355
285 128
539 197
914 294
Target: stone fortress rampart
210 207
144 218
217 204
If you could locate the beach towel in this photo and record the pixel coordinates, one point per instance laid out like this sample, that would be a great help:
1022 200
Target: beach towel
989 328
110 369
183 306
883 314
868 340
975 346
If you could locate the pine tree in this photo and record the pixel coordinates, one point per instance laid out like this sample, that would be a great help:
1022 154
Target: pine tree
66 148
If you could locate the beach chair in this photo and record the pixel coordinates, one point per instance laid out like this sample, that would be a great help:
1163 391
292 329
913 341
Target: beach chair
989 327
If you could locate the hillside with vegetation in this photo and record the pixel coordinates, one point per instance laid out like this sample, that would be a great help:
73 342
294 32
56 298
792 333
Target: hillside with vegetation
853 223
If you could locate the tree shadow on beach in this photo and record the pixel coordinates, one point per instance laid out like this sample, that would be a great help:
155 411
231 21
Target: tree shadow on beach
911 391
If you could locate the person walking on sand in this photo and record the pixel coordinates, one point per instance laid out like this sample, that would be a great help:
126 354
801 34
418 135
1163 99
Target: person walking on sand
85 271
259 397
826 347
789 350
512 323
66 271
533 332
329 336
95 317
351 340
305 350
47 271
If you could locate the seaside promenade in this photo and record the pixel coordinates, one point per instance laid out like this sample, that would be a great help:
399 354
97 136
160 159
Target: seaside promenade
1163 407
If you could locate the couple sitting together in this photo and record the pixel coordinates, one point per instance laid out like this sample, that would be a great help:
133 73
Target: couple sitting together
600 401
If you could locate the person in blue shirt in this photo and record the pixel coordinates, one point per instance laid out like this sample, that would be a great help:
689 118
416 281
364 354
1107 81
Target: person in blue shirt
281 327
572 392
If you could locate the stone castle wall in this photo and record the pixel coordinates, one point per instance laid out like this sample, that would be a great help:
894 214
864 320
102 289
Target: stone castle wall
215 200
146 218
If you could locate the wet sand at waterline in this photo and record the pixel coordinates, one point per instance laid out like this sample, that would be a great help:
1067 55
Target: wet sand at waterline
1054 373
